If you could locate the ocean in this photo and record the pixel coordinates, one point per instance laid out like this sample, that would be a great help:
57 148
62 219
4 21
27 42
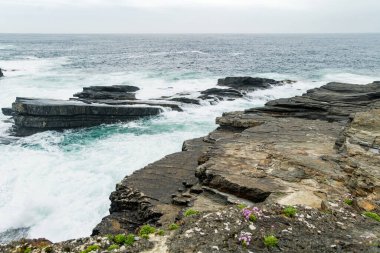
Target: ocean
56 184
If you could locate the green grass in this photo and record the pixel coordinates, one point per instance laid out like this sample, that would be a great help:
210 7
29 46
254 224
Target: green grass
28 250
160 232
290 211
146 230
130 240
252 218
173 226
241 206
113 246
190 212
120 239
91 248
348 202
372 215
270 241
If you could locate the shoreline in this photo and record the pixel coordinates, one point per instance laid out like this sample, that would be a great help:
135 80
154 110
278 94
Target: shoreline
307 150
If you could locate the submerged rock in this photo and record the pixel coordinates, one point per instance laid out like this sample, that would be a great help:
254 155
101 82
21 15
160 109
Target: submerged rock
250 83
220 94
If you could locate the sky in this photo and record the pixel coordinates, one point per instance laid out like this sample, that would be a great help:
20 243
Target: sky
189 16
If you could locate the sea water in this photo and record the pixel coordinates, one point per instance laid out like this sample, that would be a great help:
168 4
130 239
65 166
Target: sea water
56 184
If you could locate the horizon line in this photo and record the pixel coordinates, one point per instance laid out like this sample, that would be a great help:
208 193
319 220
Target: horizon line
184 33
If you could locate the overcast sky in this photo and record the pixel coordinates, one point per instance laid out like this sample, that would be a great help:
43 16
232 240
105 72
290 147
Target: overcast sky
189 16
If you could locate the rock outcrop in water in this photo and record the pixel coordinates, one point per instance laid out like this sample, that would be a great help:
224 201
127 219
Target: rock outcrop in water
97 105
1 73
250 83
93 106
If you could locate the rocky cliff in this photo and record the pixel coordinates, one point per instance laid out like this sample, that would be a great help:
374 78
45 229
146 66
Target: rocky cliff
307 168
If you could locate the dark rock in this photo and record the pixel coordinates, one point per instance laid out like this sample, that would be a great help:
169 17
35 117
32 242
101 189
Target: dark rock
7 111
1 73
45 114
333 102
250 83
220 93
183 200
117 92
197 189
146 195
186 100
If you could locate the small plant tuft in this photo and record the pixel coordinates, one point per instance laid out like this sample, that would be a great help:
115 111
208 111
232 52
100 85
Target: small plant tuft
348 202
241 206
270 241
91 248
49 250
190 212
146 230
113 247
372 215
252 217
28 250
290 211
173 226
120 239
130 240
160 232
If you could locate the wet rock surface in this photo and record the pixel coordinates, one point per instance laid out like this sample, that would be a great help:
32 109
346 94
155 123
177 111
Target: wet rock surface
250 83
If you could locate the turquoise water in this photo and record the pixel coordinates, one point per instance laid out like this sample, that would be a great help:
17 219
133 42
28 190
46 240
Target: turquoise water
57 184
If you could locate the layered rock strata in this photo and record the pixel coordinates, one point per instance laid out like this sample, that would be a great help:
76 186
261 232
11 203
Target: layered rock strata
275 155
